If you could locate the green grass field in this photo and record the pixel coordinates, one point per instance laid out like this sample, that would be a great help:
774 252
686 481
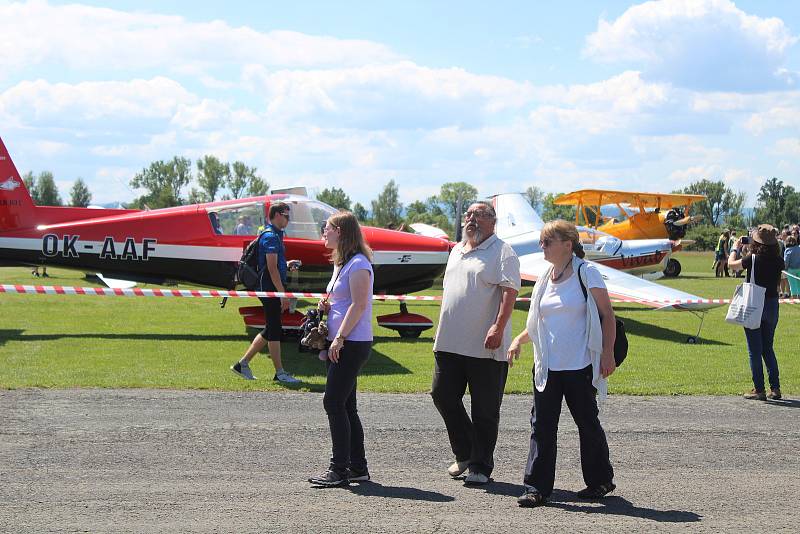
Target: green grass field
119 342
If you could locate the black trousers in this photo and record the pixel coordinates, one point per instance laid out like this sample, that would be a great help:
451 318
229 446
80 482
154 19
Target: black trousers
347 434
576 387
472 440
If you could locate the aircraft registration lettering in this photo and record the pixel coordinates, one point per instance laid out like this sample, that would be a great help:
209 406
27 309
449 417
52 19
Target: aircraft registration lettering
639 261
67 246
129 249
10 202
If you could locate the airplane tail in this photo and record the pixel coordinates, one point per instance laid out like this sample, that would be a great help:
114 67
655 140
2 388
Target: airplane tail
16 205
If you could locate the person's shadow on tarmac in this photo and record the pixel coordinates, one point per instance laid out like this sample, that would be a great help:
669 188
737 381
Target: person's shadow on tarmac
613 505
373 489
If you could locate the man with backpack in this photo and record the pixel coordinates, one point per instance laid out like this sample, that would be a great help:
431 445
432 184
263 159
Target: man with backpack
272 269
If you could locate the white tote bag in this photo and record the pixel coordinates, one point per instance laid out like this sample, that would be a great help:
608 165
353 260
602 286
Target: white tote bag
747 304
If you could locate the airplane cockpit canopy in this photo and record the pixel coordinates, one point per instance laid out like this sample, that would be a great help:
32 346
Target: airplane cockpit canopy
307 217
237 219
593 239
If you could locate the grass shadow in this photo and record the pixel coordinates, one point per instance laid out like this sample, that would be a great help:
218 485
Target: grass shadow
653 331
309 364
19 335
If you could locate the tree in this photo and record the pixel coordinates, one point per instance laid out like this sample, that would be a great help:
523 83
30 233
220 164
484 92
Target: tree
30 184
387 209
536 197
450 194
80 196
163 181
196 196
335 197
778 204
46 190
244 178
429 213
551 211
212 174
721 202
257 187
360 212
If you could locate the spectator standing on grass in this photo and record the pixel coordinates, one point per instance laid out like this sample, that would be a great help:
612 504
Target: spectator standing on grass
272 267
791 259
731 247
573 338
349 309
721 255
765 260
480 283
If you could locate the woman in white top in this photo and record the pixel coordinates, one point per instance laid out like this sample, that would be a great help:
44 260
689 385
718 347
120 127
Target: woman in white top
573 335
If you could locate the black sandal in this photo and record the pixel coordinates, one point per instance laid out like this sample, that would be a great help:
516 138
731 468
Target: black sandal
597 492
531 498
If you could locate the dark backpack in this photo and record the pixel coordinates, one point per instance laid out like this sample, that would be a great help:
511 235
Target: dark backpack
621 342
247 272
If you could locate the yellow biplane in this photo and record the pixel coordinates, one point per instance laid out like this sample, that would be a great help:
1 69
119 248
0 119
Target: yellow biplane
643 215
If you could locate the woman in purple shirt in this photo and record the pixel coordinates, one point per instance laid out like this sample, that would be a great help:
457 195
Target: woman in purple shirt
349 309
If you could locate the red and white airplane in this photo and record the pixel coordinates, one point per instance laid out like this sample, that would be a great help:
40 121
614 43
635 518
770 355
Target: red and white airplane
197 243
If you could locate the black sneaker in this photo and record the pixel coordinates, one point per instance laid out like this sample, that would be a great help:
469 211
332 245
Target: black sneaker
597 492
329 479
357 475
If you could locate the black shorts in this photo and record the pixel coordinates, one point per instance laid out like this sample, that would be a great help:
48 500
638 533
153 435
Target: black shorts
272 315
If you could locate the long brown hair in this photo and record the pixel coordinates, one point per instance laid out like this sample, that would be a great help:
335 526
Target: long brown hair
351 240
565 231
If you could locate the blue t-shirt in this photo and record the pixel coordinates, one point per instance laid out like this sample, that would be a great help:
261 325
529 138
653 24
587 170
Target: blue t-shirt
271 242
792 257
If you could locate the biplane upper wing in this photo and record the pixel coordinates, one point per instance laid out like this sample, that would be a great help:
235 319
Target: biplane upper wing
601 197
624 286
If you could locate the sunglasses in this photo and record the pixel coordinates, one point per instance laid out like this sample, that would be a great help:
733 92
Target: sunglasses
547 241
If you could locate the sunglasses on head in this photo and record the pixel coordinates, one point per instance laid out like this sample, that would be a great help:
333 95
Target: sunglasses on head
286 214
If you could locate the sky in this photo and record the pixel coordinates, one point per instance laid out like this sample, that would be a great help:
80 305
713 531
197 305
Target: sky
503 95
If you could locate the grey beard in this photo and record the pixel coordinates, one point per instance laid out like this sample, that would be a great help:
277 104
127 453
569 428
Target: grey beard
476 239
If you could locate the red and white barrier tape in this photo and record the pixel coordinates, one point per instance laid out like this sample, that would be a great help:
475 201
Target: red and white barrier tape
215 293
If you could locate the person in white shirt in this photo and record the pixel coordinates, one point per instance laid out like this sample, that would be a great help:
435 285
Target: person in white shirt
573 337
481 283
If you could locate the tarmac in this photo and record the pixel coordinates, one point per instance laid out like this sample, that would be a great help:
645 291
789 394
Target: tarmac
199 461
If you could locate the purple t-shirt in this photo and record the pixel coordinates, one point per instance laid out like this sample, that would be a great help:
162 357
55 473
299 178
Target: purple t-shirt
340 299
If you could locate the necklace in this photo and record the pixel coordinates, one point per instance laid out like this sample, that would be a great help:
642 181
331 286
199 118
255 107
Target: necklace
557 278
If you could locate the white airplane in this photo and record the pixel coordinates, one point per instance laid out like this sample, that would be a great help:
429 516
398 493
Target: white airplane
520 226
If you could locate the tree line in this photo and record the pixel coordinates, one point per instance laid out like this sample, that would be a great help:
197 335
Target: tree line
164 182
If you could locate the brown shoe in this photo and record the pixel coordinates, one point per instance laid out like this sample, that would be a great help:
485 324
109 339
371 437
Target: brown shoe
755 395
774 394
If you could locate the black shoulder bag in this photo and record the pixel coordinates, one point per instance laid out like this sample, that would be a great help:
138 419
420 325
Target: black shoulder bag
621 342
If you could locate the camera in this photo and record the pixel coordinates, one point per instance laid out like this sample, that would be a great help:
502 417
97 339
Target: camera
745 240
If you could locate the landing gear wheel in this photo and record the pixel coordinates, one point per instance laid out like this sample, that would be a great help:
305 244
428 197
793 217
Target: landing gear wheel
691 340
673 268
410 333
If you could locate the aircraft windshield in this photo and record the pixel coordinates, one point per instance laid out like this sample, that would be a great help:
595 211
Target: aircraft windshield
592 239
237 220
307 218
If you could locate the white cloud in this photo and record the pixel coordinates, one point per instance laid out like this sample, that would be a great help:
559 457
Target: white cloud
700 44
86 37
775 118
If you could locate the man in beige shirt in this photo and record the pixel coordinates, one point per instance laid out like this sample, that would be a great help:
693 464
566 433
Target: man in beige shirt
480 286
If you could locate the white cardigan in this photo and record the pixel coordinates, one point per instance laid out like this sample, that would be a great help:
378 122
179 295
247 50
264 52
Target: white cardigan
594 333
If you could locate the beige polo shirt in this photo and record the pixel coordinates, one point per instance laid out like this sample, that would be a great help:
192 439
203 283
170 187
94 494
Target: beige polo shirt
472 295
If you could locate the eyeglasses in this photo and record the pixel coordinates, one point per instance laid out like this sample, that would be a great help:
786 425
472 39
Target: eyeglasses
547 241
478 214
286 214
324 227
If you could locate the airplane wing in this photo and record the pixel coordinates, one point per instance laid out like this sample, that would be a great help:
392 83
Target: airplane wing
600 197
623 286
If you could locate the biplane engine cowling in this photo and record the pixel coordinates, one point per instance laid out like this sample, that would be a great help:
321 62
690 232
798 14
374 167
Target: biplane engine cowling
674 231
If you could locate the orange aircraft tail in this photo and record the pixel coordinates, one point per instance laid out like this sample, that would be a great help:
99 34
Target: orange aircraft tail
16 206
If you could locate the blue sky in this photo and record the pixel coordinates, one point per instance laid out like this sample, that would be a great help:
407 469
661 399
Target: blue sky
567 95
